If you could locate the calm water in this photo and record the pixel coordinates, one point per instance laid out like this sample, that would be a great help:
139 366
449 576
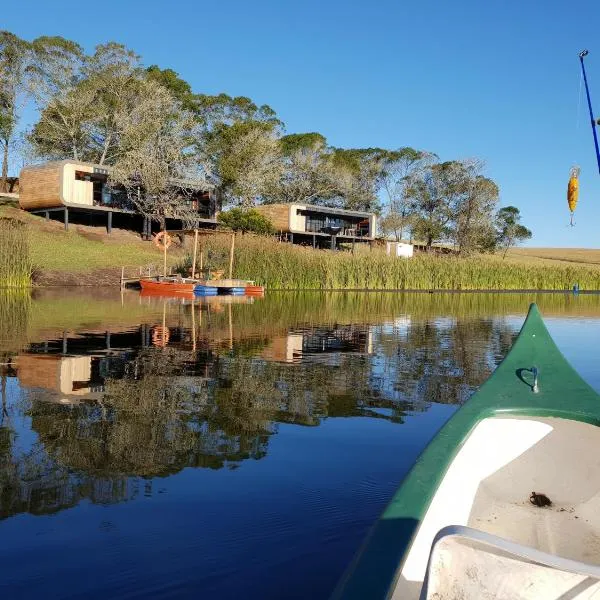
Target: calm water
212 450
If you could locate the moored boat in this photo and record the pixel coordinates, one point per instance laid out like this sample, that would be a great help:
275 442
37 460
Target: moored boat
206 290
169 285
254 290
505 500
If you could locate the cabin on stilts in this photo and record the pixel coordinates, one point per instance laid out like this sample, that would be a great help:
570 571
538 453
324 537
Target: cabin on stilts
81 192
320 226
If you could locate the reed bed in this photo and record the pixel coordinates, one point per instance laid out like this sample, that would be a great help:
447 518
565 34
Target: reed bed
284 266
15 265
15 316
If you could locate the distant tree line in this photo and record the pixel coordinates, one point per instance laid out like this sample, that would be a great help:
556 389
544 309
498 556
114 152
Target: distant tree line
150 127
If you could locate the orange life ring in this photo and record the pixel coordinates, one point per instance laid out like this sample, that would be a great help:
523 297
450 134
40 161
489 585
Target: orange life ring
160 336
162 240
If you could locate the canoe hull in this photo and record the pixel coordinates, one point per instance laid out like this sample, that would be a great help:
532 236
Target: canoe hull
386 567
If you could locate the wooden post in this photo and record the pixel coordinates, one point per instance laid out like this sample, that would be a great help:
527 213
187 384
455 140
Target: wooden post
231 251
195 253
66 219
47 215
230 326
165 256
109 222
193 326
122 277
201 257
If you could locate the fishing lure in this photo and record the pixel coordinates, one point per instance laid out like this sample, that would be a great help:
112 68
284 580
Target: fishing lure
573 191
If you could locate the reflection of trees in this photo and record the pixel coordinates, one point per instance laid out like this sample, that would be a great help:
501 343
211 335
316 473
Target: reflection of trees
445 361
170 409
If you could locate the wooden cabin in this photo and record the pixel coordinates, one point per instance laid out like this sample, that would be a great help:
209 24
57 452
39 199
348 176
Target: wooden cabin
320 225
70 186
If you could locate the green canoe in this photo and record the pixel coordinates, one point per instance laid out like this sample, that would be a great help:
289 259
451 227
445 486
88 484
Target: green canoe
512 482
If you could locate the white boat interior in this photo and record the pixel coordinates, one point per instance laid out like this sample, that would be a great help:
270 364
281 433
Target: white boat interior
488 487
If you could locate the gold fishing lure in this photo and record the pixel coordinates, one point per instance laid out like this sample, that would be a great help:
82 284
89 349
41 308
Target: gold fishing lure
573 191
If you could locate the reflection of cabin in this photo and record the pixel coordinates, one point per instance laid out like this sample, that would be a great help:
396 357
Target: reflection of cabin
69 375
319 225
298 345
82 189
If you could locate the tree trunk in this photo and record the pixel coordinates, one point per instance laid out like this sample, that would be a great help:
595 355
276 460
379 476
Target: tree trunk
4 179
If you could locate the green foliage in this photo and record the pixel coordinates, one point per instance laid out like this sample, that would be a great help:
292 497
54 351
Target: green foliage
13 62
15 265
246 220
509 230
301 142
285 266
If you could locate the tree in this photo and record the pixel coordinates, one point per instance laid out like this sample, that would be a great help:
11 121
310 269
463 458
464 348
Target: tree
393 223
249 220
154 153
473 200
247 160
509 230
428 197
358 171
307 173
14 55
83 117
395 168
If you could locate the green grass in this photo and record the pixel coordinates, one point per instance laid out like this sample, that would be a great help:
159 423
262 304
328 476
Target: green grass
71 251
284 266
15 264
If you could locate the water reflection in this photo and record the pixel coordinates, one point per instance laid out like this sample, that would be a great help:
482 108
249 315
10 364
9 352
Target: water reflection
107 407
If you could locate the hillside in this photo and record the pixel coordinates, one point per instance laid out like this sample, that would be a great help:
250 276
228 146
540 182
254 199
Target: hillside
84 255
89 256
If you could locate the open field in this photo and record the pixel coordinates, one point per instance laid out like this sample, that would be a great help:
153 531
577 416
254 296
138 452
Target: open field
549 256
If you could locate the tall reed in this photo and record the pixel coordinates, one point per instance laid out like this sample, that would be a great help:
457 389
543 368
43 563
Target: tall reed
15 264
285 266
15 314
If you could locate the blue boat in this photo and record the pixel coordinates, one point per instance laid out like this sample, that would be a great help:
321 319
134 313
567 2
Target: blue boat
206 290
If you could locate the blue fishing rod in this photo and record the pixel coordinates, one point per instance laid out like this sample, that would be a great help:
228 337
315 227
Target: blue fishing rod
582 55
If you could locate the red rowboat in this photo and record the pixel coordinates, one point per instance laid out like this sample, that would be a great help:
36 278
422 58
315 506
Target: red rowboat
169 286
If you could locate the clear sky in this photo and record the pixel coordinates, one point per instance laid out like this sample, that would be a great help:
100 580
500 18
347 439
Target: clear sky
497 80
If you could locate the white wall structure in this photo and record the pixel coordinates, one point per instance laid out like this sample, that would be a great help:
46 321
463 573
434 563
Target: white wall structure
400 249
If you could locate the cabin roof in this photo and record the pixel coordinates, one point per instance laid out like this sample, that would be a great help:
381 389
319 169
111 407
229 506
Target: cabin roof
189 183
325 209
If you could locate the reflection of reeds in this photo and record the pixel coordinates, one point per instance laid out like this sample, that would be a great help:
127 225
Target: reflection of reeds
15 266
285 266
15 312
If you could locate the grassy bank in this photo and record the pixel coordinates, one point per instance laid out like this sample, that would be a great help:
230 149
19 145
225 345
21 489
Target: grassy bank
15 265
87 255
283 266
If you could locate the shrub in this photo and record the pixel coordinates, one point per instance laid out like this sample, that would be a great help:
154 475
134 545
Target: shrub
246 221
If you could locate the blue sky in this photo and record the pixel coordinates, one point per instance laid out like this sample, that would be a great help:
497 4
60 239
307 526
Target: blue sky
496 80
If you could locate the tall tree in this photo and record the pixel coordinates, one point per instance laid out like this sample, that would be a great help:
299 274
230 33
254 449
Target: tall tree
473 200
14 55
246 155
83 119
428 192
509 230
396 166
358 170
307 171
154 152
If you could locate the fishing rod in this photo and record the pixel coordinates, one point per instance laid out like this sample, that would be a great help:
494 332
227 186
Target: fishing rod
582 55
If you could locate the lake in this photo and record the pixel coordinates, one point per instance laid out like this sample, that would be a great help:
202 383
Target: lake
230 447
